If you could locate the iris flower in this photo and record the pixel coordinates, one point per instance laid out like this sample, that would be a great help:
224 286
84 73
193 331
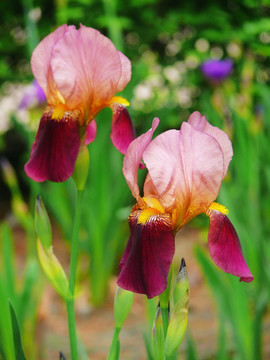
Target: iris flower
185 170
80 71
217 70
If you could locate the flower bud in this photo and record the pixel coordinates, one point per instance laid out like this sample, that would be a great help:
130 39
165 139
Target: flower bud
179 315
81 168
122 305
53 270
43 224
158 336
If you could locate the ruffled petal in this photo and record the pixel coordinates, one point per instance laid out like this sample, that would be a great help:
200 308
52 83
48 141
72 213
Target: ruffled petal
146 262
123 132
41 62
126 72
55 148
133 158
186 168
225 248
91 132
200 123
86 67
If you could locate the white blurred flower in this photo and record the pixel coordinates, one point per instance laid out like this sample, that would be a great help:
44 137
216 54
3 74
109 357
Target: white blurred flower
234 50
172 74
184 97
192 61
216 52
143 92
202 45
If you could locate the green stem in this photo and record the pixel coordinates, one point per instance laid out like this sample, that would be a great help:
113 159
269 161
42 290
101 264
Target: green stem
72 329
74 242
111 354
72 277
165 319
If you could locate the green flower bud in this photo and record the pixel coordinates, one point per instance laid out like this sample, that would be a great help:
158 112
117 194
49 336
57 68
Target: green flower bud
179 315
158 336
81 168
43 224
122 305
53 270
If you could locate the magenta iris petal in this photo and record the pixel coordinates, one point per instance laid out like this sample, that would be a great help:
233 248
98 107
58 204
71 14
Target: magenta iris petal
225 248
91 132
55 149
123 132
148 256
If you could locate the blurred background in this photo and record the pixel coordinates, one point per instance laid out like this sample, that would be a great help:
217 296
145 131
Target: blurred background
199 55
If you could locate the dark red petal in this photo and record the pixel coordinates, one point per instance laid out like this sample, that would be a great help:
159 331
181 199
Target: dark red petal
148 256
123 132
91 131
55 149
225 248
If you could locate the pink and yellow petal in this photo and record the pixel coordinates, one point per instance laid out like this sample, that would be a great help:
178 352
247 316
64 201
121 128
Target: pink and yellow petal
200 123
186 168
133 158
86 68
126 72
41 63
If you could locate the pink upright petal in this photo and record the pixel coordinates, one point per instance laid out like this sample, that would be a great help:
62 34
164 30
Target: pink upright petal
41 62
133 158
55 149
225 248
200 123
126 72
123 132
86 67
186 168
146 263
91 132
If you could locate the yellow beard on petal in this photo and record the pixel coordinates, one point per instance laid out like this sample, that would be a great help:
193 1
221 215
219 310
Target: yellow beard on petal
153 208
59 112
217 207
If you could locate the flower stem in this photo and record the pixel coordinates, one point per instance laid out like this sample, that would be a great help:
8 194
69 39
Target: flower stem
72 277
72 329
165 319
111 354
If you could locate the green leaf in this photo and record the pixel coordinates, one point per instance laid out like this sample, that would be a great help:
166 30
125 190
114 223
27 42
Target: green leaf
19 353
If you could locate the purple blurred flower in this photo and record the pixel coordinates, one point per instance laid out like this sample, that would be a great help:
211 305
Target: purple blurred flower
33 96
217 70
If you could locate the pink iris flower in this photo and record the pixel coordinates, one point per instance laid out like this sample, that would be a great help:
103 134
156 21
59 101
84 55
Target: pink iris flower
80 71
185 170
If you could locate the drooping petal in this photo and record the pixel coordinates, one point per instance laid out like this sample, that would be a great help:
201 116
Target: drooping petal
123 132
186 168
225 248
86 67
41 62
146 262
126 72
55 148
200 123
91 131
133 158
